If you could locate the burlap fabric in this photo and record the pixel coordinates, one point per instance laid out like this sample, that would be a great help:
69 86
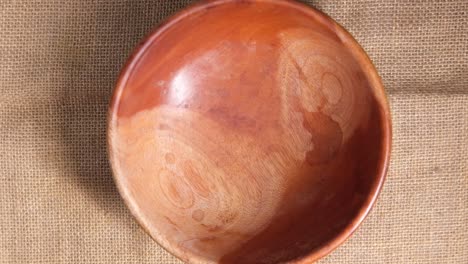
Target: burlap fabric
59 61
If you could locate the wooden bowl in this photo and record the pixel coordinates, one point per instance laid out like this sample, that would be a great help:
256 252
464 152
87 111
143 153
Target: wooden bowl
252 131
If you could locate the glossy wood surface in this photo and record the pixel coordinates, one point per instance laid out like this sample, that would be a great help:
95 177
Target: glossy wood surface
249 132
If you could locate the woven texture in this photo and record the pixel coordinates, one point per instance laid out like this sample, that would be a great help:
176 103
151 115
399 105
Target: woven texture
59 61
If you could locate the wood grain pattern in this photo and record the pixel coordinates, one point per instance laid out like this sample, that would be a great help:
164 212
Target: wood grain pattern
249 132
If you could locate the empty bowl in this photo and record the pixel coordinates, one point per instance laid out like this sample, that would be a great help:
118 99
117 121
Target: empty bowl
253 131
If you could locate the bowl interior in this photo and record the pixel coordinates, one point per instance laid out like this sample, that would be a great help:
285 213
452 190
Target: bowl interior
249 132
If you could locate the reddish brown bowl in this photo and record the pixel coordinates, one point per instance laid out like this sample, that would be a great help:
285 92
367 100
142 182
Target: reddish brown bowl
249 132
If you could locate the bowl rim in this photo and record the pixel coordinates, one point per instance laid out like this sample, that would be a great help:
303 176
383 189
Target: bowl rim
363 60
